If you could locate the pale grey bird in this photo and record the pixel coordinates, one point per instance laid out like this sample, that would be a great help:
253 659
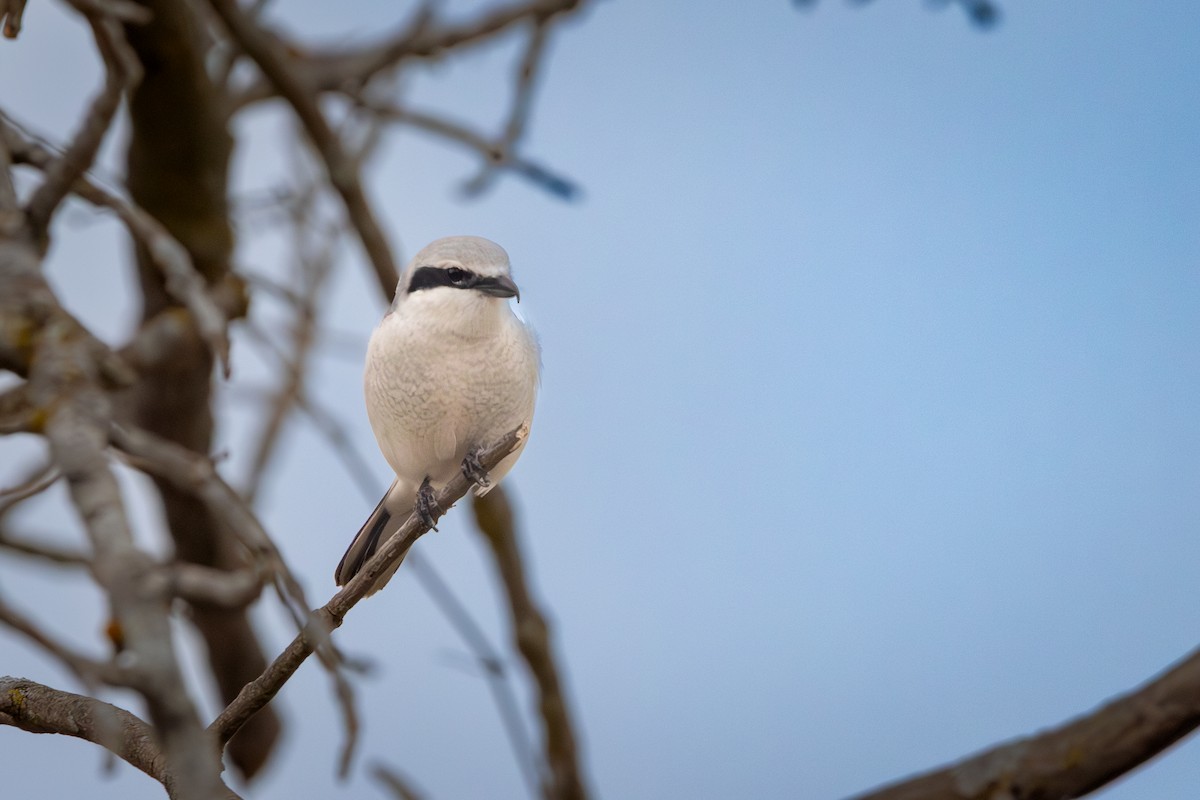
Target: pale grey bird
450 370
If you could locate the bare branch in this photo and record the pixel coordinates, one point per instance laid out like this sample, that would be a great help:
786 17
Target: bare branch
399 786
183 281
494 516
334 68
316 262
489 660
267 51
11 12
37 708
119 10
532 171
196 475
121 71
1076 758
217 587
41 480
88 670
8 193
65 372
256 694
518 117
61 556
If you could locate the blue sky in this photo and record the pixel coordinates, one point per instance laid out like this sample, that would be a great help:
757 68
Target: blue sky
868 431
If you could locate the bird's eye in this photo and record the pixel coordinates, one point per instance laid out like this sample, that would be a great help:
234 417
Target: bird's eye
456 275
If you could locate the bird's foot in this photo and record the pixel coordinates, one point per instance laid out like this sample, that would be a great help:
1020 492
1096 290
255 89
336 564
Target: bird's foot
427 505
474 470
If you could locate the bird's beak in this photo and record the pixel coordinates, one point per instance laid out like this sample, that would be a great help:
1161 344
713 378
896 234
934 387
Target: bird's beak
501 286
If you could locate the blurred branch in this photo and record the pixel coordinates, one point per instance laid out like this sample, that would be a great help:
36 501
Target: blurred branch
494 515
218 587
983 13
38 481
259 692
280 69
88 670
58 555
11 12
36 708
399 786
315 263
493 665
1074 759
121 71
195 474
182 280
439 592
63 380
522 105
501 159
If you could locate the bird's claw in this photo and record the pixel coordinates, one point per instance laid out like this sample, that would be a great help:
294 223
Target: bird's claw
427 505
475 471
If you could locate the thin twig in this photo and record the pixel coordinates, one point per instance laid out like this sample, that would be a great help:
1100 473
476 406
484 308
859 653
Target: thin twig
197 475
223 588
395 783
39 480
440 593
494 515
536 173
267 51
316 263
64 379
121 71
260 691
60 556
183 281
89 671
522 104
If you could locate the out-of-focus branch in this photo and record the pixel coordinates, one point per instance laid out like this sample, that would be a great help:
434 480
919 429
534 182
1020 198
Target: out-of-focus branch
177 166
63 379
216 587
197 476
439 592
522 105
334 68
61 556
352 70
494 516
1074 759
182 280
395 783
38 481
11 12
536 173
88 670
267 51
121 71
37 708
259 692
313 249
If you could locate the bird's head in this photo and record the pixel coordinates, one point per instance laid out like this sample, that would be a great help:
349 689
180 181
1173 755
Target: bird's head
458 273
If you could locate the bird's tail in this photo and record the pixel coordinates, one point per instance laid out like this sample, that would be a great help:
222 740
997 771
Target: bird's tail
379 527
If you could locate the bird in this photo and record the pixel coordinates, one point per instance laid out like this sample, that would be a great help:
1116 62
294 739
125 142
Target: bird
449 371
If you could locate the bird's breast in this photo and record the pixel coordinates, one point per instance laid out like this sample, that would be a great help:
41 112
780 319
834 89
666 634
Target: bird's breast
432 396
